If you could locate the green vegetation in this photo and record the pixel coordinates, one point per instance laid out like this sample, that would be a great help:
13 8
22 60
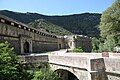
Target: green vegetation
79 49
110 29
95 44
82 24
12 69
45 73
49 27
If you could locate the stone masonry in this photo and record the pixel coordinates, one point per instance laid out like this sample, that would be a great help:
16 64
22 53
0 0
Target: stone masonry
26 39
84 66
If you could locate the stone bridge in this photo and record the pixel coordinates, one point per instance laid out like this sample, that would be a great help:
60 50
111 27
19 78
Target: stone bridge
82 66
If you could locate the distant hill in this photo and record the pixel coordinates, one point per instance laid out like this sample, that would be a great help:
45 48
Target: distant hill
83 24
44 25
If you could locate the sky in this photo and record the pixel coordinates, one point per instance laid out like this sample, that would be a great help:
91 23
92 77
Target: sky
56 7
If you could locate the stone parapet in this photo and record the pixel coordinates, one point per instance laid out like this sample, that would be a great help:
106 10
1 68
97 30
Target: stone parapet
85 68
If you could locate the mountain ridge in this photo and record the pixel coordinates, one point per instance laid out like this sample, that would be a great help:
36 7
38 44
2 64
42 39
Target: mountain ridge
82 24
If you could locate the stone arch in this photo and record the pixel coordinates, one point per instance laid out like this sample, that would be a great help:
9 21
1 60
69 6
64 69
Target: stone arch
26 47
25 44
66 75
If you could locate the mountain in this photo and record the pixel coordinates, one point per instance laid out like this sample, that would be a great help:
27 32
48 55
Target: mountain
44 25
82 24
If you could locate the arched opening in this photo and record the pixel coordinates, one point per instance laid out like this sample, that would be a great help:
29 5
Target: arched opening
66 75
26 47
60 46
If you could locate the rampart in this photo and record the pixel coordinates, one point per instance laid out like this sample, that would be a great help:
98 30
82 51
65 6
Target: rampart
26 39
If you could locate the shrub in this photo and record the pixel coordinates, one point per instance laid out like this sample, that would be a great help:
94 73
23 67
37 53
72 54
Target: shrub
10 68
79 49
45 73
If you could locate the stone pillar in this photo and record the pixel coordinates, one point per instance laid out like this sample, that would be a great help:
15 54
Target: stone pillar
98 69
21 46
30 47
73 44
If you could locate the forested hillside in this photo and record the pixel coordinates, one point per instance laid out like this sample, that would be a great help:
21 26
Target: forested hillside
83 24
49 27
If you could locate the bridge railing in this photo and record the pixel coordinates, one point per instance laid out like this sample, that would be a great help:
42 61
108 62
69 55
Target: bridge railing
70 61
34 59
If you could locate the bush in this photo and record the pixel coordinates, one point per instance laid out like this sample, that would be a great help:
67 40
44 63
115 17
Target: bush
79 49
45 73
10 68
95 44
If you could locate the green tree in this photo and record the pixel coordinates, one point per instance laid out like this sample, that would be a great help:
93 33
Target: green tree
110 26
95 44
10 68
110 20
108 44
46 74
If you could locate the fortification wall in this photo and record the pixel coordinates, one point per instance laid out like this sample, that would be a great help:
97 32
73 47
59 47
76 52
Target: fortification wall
17 34
26 39
76 41
9 34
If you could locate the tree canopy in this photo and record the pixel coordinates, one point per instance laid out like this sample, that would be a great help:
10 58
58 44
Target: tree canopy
10 67
110 25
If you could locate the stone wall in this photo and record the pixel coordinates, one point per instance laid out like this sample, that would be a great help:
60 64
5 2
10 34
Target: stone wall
76 41
112 66
61 42
38 41
105 69
73 61
34 59
17 34
44 46
84 68
79 73
13 43
78 66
